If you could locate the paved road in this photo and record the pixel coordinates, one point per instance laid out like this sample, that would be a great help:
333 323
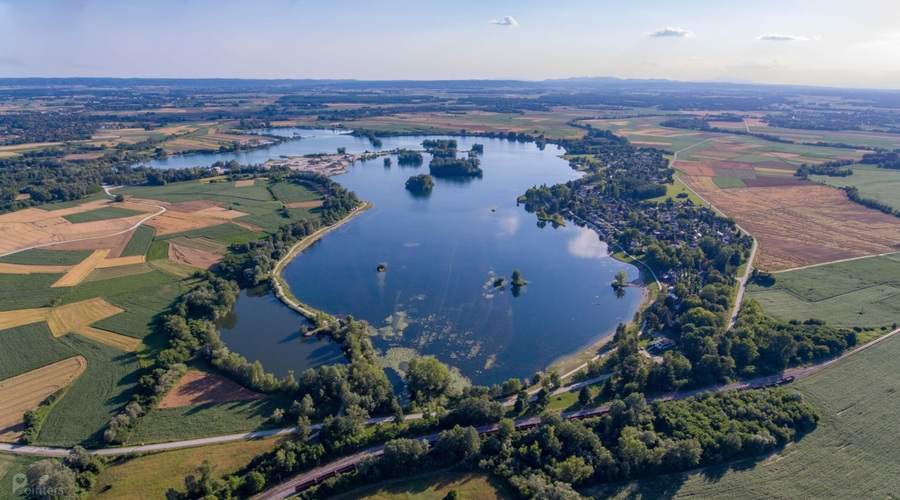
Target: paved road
132 228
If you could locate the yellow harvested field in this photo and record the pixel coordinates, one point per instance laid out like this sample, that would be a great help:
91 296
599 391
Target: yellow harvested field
175 222
33 226
111 339
23 196
72 317
245 183
799 225
27 391
26 269
80 271
12 319
121 261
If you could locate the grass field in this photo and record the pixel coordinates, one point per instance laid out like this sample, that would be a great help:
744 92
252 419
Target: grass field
37 286
211 419
28 348
676 188
149 476
853 453
10 465
220 232
140 242
142 296
105 213
288 192
158 250
864 293
876 183
94 398
433 486
41 257
728 182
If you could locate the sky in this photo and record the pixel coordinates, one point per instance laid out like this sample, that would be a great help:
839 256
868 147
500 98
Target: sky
820 42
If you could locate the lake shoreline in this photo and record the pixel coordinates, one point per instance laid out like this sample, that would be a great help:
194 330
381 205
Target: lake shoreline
281 288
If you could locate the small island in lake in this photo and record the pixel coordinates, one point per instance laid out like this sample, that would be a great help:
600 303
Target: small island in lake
517 280
420 183
382 267
499 282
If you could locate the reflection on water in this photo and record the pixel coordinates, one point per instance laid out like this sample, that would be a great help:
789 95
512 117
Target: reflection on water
261 328
443 253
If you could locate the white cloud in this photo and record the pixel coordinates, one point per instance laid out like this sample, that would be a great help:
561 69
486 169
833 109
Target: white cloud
671 32
778 37
507 21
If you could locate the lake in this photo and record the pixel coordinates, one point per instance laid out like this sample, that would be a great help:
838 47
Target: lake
443 252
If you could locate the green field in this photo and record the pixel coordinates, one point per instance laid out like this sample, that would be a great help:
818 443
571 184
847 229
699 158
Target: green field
433 486
211 419
728 182
10 465
94 398
863 293
879 184
30 347
41 257
139 242
158 250
218 232
676 188
853 453
143 296
105 213
289 192
262 208
74 203
149 476
37 286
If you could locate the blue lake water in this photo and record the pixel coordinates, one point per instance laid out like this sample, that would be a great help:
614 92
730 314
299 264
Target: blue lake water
443 252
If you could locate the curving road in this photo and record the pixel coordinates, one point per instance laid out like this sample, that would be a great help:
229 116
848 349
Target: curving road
106 189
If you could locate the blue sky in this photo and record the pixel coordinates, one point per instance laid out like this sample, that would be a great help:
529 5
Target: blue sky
822 42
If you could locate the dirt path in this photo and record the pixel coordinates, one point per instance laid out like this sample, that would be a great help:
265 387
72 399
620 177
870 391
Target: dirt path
299 247
106 189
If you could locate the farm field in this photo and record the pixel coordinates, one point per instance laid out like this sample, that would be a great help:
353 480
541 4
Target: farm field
35 226
139 242
876 183
553 123
863 293
149 476
27 391
432 486
205 420
94 398
804 224
201 387
853 453
105 213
